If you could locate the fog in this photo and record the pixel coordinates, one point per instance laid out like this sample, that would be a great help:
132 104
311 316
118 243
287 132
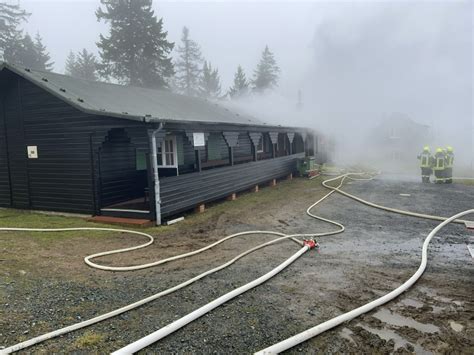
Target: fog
355 63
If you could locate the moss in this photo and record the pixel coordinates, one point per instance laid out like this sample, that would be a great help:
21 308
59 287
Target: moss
88 339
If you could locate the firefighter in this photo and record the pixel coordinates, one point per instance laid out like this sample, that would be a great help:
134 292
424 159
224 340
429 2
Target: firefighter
439 166
426 161
449 165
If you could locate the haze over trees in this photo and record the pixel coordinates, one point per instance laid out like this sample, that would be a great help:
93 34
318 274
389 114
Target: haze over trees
17 48
210 83
136 52
28 53
82 65
11 16
240 85
188 65
266 74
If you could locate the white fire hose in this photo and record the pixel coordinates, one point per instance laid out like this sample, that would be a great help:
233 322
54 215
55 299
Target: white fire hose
196 314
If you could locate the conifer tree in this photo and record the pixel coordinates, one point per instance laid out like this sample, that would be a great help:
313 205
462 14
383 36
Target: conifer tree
43 59
188 65
266 74
82 65
70 66
11 16
210 86
241 85
136 51
29 54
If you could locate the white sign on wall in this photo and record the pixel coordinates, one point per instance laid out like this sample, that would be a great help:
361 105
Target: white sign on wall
32 152
199 140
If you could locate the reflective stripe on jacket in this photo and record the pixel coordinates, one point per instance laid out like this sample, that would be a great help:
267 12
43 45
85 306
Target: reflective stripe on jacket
439 161
425 160
449 160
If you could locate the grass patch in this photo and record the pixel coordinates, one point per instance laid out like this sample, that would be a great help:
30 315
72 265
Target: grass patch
275 196
88 339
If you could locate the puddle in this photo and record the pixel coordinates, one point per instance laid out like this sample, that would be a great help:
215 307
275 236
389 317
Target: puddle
456 326
412 303
398 320
346 334
387 334
429 292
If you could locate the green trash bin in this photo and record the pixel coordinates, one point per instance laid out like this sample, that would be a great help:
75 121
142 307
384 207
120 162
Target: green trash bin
306 166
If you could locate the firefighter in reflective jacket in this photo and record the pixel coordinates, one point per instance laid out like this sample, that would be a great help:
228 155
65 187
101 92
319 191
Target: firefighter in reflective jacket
449 165
439 166
426 161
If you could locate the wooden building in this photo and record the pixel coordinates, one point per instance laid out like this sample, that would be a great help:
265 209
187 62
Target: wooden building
79 146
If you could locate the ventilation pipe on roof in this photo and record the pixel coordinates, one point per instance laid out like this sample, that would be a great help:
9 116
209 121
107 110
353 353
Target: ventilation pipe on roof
156 178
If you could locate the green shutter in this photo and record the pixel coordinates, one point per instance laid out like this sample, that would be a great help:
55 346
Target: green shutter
213 147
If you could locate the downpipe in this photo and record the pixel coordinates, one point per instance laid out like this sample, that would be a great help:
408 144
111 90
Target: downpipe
156 177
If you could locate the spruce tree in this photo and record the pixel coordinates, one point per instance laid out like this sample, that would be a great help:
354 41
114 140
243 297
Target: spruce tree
136 51
241 85
266 74
188 65
11 16
82 65
29 54
210 86
70 66
43 59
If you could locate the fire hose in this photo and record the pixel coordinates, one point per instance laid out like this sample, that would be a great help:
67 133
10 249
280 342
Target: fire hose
196 314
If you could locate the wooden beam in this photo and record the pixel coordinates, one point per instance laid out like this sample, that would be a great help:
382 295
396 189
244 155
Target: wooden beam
197 154
200 208
231 156
255 138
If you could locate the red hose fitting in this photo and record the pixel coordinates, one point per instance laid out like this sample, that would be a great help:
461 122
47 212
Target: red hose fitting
311 243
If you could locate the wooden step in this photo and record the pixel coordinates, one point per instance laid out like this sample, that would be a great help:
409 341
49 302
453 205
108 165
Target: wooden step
122 221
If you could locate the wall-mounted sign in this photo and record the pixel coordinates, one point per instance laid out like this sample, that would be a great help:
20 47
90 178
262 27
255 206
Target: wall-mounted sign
32 152
199 140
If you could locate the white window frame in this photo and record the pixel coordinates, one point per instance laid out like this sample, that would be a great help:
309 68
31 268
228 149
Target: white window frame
163 153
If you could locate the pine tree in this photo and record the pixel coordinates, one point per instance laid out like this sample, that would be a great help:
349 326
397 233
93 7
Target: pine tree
70 66
210 86
43 59
266 74
11 16
241 85
188 65
136 52
29 54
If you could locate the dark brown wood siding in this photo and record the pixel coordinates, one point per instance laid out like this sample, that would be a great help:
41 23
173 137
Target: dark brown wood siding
181 193
65 177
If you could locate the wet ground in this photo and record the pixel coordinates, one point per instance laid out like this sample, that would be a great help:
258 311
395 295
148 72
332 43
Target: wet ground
46 285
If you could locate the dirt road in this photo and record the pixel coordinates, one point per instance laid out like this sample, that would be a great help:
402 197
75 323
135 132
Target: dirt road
45 284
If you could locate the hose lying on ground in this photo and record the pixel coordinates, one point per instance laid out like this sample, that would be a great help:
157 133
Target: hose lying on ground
188 282
321 328
169 329
139 303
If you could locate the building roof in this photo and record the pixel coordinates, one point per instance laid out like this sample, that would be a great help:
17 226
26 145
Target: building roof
129 102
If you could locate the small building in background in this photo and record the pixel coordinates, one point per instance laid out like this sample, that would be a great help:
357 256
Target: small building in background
394 143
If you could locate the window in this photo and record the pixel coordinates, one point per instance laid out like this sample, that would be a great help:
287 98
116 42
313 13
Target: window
167 153
140 160
260 148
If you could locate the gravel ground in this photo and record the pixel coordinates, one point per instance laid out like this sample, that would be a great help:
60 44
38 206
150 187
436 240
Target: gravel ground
44 286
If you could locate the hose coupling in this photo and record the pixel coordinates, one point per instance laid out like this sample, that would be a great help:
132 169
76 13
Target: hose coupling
311 243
